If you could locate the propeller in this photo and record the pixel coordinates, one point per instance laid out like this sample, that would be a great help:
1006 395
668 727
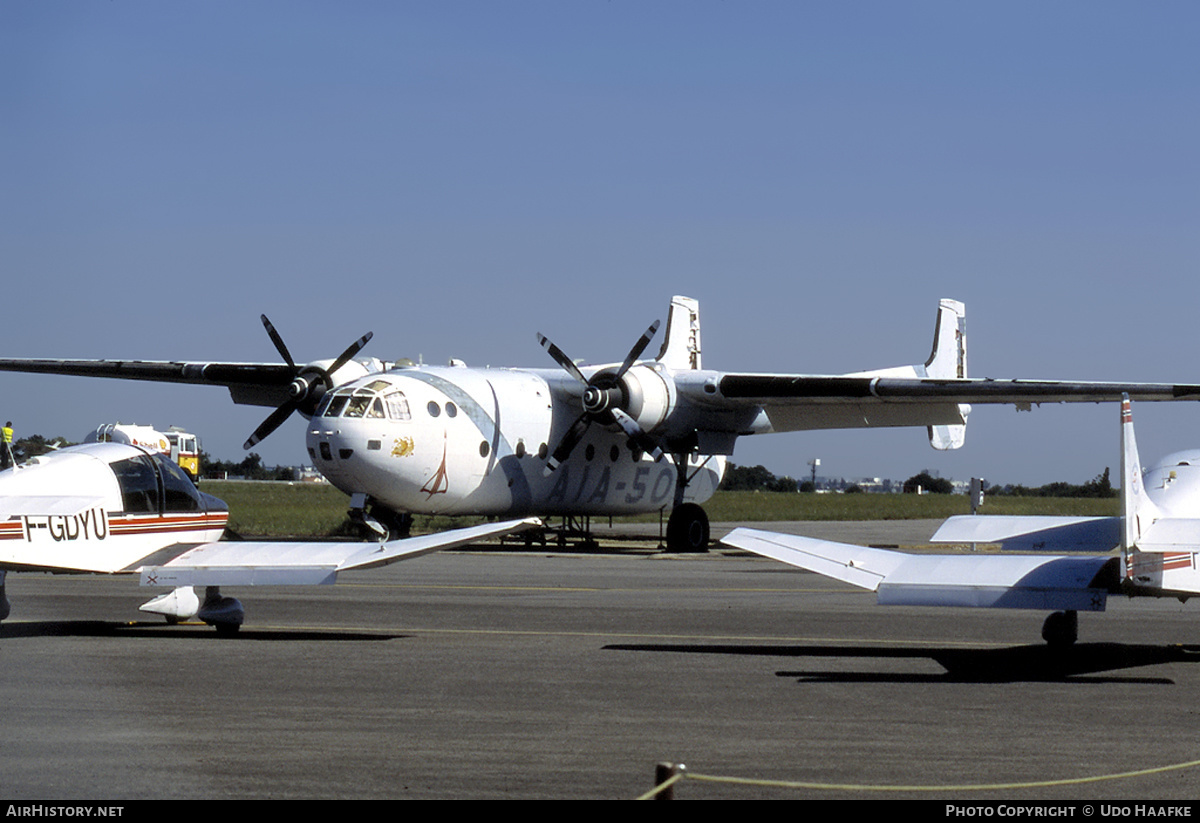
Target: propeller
603 399
307 387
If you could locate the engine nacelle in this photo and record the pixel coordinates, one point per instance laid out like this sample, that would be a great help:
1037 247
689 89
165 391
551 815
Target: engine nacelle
650 395
311 384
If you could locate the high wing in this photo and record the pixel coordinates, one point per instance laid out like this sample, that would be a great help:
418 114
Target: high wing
724 406
255 384
681 406
1075 583
246 563
936 393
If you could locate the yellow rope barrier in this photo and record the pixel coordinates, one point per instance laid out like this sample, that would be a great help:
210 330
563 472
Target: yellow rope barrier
852 787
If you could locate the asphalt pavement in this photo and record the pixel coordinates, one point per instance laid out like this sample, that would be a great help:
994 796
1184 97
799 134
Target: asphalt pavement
498 674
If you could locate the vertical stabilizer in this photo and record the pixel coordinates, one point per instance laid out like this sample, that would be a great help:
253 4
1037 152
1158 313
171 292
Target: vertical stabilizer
949 360
681 347
1137 511
949 356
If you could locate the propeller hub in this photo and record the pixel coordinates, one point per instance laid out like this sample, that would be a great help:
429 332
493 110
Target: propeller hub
603 399
596 400
307 388
299 388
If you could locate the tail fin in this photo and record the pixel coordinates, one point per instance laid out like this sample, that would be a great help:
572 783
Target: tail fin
681 346
1138 512
949 356
949 360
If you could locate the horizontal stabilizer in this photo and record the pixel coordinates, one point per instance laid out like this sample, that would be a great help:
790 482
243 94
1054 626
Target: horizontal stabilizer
985 581
247 563
1171 534
1033 533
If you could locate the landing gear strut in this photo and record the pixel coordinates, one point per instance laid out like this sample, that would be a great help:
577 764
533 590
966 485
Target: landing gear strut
1061 628
687 528
378 522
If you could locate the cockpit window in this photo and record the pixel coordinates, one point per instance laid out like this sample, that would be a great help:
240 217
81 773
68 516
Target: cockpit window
179 492
366 402
139 484
336 404
358 405
153 484
397 406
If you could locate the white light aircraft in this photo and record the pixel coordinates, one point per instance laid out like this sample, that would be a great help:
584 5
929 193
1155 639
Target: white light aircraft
112 508
638 436
1157 556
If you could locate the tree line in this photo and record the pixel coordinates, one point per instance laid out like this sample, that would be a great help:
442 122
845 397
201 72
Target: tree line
759 478
250 467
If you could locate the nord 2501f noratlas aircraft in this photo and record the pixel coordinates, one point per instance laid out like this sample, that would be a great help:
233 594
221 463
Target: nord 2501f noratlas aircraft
629 437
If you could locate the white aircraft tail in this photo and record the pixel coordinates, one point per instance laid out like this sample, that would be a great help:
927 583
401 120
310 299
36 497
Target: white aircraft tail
1138 513
1158 550
949 360
681 346
949 356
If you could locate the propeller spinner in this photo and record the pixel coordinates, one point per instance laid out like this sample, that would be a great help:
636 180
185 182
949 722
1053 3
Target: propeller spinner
307 387
604 398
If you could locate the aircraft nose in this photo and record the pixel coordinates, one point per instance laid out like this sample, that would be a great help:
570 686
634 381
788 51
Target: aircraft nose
327 445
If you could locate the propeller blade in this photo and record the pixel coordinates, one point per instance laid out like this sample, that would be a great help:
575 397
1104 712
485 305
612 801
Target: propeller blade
638 348
635 432
306 389
354 349
274 420
278 341
567 445
561 358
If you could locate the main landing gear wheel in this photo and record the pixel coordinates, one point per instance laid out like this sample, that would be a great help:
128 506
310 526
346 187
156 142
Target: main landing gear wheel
687 529
1061 628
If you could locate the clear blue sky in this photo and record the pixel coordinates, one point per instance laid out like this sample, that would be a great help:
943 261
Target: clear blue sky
456 176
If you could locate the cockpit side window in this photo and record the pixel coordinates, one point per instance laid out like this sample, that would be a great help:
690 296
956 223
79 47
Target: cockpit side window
179 492
139 484
397 406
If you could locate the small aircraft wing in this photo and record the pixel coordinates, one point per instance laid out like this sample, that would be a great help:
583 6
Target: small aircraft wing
248 563
1054 582
1033 533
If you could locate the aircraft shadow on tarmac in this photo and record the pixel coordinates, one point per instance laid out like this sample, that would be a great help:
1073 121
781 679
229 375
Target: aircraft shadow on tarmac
101 628
1007 665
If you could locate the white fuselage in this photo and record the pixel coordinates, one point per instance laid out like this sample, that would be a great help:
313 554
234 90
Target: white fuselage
455 440
1173 486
